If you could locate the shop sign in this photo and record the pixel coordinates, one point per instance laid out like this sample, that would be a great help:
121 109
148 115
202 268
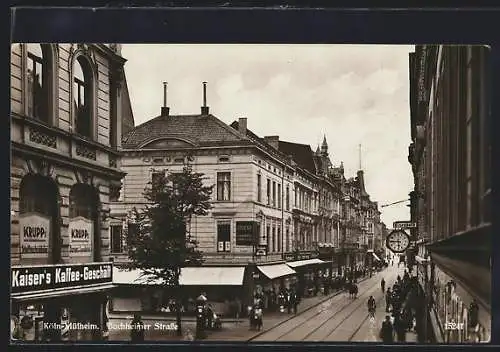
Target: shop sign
246 233
80 232
291 256
37 278
34 235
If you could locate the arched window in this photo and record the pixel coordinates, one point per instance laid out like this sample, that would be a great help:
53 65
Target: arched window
39 232
81 202
82 97
39 70
83 229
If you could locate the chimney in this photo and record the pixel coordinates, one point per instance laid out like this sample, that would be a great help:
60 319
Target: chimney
273 141
165 109
242 125
204 108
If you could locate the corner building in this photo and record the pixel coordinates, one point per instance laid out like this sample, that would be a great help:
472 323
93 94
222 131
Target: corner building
66 116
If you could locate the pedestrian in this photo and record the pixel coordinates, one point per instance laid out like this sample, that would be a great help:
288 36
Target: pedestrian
382 284
387 332
137 331
388 299
400 327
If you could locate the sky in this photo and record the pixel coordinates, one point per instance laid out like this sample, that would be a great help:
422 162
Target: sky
352 94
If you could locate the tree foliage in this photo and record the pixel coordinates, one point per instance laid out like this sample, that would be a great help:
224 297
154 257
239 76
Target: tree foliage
160 243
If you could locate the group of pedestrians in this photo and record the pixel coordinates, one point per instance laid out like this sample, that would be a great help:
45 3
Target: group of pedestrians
399 304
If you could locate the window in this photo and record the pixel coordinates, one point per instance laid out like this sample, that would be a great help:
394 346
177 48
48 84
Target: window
268 192
82 95
113 115
259 188
274 239
179 160
287 239
279 239
38 82
274 193
223 186
116 238
279 196
223 159
268 237
287 200
224 236
157 178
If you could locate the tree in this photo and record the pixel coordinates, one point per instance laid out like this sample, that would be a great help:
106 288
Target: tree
159 238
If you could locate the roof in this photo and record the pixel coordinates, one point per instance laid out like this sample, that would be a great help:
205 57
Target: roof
260 142
302 154
197 130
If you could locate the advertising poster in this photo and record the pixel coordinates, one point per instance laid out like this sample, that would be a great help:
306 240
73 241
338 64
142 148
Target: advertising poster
34 234
80 231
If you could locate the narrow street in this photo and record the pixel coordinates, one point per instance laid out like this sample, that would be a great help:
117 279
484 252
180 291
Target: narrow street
339 318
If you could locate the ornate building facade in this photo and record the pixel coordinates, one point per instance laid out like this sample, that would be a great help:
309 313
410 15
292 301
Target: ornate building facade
66 122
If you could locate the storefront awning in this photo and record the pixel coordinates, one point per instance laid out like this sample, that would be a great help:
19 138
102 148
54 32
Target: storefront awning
300 263
212 276
195 276
62 292
276 270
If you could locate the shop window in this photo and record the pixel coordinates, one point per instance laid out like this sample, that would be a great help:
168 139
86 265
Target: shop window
274 239
82 97
39 71
224 236
223 186
116 236
83 214
268 237
38 212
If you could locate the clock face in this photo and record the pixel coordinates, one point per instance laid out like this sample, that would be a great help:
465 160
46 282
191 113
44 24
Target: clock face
398 241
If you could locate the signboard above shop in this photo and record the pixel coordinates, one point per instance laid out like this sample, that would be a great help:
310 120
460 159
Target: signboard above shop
46 277
401 225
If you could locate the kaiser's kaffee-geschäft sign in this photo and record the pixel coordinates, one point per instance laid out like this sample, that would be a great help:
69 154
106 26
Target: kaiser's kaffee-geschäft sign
38 278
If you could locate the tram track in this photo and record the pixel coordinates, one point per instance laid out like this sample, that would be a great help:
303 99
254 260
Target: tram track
322 331
362 298
336 305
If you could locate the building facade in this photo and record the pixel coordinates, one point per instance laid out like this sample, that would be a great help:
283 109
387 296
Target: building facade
450 155
66 121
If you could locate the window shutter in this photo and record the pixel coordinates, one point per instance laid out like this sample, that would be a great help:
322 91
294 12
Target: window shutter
221 246
227 246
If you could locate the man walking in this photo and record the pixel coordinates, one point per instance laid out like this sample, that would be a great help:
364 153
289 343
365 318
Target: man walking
387 332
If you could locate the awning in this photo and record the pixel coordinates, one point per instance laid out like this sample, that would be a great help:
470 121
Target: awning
276 270
300 263
192 276
62 292
212 276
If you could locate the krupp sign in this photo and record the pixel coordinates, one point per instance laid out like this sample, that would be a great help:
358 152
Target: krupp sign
34 235
37 278
80 232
